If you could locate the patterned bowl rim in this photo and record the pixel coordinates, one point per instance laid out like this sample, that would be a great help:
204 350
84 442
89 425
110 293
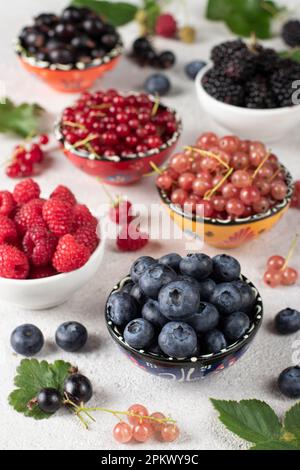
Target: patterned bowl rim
204 359
115 158
238 221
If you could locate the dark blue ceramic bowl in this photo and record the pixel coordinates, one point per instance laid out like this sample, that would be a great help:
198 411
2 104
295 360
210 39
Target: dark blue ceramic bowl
193 368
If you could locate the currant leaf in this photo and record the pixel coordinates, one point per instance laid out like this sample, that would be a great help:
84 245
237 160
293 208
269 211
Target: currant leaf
117 13
19 119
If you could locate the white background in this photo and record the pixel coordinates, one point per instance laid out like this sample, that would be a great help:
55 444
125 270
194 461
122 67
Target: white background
116 381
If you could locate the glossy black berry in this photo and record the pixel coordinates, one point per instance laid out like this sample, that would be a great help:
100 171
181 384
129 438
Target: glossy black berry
83 42
45 19
71 336
65 31
93 26
72 14
27 340
78 388
35 38
291 33
166 59
109 40
49 400
61 56
140 45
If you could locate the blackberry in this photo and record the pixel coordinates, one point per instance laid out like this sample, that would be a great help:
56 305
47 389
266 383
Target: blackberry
259 95
282 81
221 52
239 66
291 33
266 59
223 88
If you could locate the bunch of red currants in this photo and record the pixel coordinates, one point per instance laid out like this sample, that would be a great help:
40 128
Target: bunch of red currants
278 272
27 159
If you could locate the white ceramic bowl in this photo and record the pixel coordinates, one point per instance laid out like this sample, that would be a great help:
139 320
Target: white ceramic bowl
267 125
39 294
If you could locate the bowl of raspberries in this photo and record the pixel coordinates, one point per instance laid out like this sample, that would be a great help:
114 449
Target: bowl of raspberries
69 51
118 137
184 317
49 248
250 90
226 190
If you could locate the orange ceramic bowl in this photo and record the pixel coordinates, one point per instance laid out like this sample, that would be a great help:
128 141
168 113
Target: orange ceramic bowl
68 79
227 233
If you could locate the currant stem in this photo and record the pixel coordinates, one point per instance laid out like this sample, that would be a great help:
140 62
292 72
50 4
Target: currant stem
206 153
155 105
155 168
261 164
211 192
291 251
74 124
85 141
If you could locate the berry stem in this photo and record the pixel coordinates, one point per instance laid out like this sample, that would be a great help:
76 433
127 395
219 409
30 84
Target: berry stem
82 143
155 105
211 192
111 199
261 164
290 252
275 174
155 168
74 124
206 153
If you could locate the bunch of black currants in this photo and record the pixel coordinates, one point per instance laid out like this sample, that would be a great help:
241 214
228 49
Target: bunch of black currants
144 54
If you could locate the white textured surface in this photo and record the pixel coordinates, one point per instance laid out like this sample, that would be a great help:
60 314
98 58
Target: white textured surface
117 382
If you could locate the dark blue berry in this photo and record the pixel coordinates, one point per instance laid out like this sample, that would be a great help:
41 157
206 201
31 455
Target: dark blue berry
157 83
122 308
226 268
140 266
178 300
78 388
287 321
192 68
226 298
214 341
152 313
206 288
127 287
289 382
139 333
178 339
71 336
189 279
172 260
206 318
137 293
247 294
154 278
235 326
197 265
49 400
27 340
155 349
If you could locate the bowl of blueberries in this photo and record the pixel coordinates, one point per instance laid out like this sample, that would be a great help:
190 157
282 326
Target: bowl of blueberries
183 318
69 52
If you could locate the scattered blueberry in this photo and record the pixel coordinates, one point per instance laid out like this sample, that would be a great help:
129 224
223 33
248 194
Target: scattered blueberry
71 336
139 333
236 325
214 341
154 278
178 300
178 339
287 321
172 260
197 265
226 268
139 267
247 294
137 293
157 83
192 68
206 288
49 400
289 382
152 313
226 298
122 308
27 340
206 318
78 388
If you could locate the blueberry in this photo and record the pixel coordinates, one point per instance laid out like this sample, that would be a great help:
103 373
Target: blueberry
27 340
197 265
127 287
192 68
206 318
140 266
49 400
214 341
78 388
287 321
138 294
226 298
172 260
206 288
121 308
178 339
155 349
71 336
139 333
152 313
178 300
226 268
157 83
236 325
154 278
248 295
189 279
289 382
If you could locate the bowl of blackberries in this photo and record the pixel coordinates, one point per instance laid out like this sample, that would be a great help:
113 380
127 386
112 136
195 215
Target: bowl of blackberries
184 318
250 90
69 51
118 137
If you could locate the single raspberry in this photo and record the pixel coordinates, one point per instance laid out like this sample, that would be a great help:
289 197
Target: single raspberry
29 215
64 193
39 272
83 217
88 237
8 231
25 191
166 25
7 203
58 216
13 263
69 255
121 212
39 245
131 239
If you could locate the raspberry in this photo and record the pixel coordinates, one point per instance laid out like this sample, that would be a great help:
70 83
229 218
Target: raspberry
58 216
39 272
88 237
69 255
121 212
13 263
8 231
29 215
39 245
131 239
25 191
7 203
63 193
166 25
83 217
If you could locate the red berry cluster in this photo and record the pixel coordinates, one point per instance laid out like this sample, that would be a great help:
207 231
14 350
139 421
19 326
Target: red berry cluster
228 177
278 272
109 124
143 426
296 196
27 159
39 237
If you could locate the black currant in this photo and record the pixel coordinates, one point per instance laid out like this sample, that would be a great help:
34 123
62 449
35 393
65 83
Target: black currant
54 43
72 14
45 19
49 400
140 45
109 40
83 42
34 38
65 31
61 56
98 53
78 388
93 26
166 59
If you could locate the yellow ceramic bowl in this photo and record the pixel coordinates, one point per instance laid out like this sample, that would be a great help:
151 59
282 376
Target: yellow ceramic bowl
229 233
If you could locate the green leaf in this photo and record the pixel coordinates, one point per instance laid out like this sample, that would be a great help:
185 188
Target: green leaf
277 445
117 13
32 376
218 10
292 421
153 10
252 420
21 119
293 54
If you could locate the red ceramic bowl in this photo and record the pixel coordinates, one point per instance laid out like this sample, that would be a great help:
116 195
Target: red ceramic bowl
120 171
